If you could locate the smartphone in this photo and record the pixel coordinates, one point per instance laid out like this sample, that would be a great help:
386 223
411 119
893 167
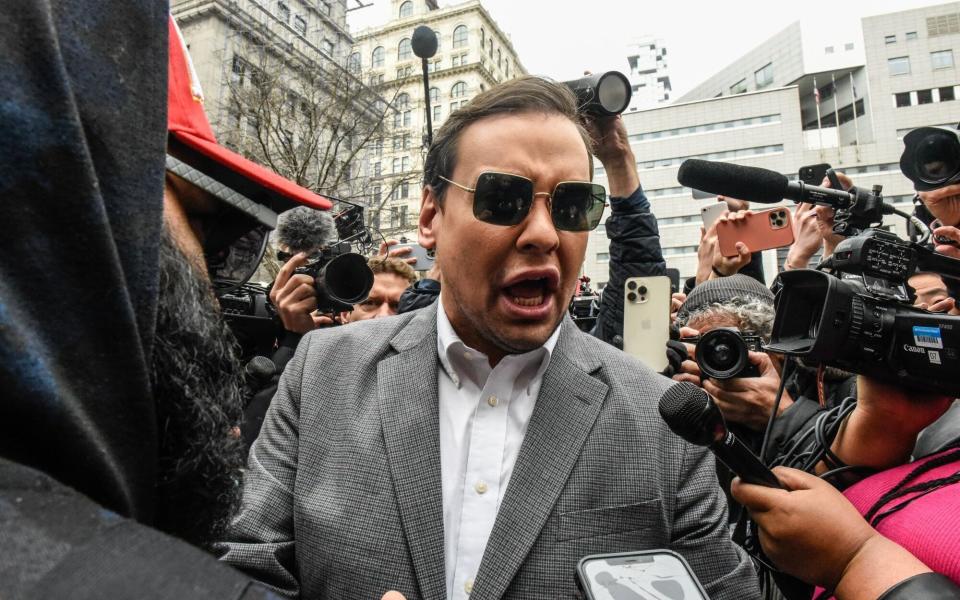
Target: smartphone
699 195
711 213
648 575
813 174
424 256
646 320
760 230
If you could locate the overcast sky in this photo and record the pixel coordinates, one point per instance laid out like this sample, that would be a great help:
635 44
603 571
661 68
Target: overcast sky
561 38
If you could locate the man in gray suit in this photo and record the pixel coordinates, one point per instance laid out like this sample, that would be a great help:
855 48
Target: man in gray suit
480 447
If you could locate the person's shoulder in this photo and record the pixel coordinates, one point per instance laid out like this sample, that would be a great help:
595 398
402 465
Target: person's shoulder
621 368
365 333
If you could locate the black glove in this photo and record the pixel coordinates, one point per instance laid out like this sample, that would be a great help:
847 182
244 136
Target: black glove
676 354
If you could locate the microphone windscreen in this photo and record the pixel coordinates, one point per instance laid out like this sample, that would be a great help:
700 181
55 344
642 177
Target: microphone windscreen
304 229
688 411
734 181
424 42
260 367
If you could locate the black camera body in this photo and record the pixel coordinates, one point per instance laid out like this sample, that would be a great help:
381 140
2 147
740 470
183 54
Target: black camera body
859 317
584 307
251 317
723 353
341 277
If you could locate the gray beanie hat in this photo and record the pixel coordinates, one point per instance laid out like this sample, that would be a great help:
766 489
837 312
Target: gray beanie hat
722 291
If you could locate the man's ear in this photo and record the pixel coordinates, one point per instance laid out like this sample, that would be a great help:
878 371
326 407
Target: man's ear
430 216
345 317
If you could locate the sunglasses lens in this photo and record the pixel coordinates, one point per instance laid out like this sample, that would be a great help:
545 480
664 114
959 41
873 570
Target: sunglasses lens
578 206
502 199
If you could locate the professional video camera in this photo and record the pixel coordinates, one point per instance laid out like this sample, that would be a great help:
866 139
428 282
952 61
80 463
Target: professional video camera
585 305
931 157
723 352
859 317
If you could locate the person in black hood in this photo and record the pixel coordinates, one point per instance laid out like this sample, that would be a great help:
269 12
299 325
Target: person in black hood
120 383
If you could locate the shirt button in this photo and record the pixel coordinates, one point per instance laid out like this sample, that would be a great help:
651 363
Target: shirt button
481 487
468 586
492 401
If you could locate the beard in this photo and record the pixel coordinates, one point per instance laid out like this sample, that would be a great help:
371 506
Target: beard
196 378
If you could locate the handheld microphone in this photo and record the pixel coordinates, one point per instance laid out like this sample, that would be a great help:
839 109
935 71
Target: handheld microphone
757 185
424 43
691 413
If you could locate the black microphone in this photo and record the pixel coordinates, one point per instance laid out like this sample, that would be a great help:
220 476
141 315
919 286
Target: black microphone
256 374
424 42
756 185
691 413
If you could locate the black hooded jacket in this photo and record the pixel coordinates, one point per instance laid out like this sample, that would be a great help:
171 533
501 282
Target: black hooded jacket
81 177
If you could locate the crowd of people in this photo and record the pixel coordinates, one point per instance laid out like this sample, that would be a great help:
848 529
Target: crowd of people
454 434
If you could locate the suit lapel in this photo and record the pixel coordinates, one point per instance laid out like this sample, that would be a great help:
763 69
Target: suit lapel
409 411
566 409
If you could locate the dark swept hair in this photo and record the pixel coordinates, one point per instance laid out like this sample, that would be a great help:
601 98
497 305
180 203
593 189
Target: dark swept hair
527 94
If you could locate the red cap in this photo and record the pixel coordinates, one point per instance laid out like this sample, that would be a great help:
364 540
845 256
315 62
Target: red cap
187 123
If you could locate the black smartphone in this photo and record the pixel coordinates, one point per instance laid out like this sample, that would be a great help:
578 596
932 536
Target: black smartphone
644 575
813 174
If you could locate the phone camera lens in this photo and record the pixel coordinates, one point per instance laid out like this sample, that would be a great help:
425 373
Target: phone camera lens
643 290
632 297
631 285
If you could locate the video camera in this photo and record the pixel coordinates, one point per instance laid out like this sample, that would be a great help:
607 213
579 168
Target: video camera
585 305
858 317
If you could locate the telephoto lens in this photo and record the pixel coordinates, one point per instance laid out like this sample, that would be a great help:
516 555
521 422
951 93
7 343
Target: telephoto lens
931 157
603 94
724 353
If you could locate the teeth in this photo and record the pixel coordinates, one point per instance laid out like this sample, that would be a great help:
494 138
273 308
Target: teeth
535 301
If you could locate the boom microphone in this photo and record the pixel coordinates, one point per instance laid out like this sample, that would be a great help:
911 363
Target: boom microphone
691 413
757 185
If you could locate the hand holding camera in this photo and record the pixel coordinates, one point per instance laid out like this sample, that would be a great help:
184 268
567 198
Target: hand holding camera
294 297
748 400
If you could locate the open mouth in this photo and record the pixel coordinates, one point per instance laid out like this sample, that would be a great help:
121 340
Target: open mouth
530 292
533 289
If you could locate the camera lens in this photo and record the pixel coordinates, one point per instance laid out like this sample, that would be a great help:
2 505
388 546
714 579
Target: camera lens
643 290
631 285
722 354
631 297
938 157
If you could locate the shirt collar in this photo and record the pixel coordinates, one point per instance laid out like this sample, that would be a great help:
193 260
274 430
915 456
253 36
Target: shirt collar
460 360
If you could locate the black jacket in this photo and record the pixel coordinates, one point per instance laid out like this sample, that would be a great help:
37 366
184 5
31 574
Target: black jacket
81 182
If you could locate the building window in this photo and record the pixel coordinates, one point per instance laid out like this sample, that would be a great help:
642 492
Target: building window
283 11
499 60
483 38
439 38
490 47
353 63
237 70
947 94
603 257
405 163
436 113
404 193
434 95
890 39
911 35
396 165
848 46
300 24
902 99
377 59
739 87
506 68
828 50
404 51
942 59
377 194
764 76
459 90
376 169
943 24
328 47
406 10
899 65
460 36
924 96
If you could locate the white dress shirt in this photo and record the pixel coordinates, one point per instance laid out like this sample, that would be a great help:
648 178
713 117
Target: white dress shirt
484 414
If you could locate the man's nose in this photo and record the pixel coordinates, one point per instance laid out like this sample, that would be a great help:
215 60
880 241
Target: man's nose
539 232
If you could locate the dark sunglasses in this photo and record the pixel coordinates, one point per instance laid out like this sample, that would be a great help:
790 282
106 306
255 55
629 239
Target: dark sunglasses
505 199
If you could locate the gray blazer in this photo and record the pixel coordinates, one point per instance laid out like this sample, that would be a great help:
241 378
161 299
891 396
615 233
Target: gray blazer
342 496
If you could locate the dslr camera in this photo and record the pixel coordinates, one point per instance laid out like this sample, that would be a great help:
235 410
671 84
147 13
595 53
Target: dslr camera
341 277
723 353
